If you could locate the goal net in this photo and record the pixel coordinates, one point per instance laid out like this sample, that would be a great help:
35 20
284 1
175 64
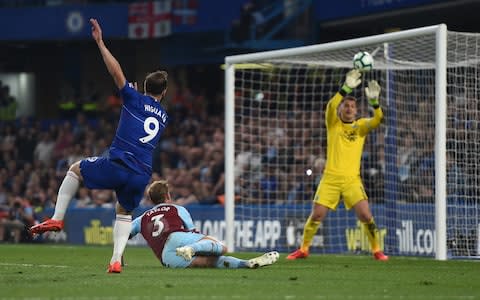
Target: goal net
419 168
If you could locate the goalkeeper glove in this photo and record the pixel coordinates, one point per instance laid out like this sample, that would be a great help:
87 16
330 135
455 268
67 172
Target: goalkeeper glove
373 92
352 80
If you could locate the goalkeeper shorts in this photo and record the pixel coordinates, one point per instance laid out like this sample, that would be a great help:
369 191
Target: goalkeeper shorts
333 188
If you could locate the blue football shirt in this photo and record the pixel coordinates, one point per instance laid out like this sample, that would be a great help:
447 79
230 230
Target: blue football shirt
142 121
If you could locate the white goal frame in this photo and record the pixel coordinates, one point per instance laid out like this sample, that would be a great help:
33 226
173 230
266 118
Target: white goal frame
440 32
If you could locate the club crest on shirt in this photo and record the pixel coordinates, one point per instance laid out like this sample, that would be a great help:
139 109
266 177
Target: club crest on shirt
350 135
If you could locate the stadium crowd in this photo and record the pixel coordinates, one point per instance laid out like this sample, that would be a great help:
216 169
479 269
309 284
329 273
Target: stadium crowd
35 155
270 165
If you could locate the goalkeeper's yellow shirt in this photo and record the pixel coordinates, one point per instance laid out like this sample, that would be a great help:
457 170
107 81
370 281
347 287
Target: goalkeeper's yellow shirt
345 140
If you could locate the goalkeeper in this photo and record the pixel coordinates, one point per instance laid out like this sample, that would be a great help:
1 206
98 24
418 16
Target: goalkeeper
341 179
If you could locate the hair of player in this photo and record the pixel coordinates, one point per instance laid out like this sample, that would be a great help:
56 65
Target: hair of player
349 98
156 82
158 191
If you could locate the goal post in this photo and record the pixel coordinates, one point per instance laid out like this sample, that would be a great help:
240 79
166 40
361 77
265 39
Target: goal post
418 167
440 142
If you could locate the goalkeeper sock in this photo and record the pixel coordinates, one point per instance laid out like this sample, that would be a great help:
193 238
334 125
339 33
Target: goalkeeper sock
207 247
67 190
309 231
373 234
121 231
230 262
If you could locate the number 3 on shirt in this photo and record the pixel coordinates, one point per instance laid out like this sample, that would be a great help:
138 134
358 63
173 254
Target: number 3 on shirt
157 225
151 132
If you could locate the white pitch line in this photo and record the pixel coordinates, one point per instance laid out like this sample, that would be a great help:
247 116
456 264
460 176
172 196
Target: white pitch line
32 265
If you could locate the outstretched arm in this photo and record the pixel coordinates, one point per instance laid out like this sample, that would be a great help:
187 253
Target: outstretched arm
352 80
373 94
111 62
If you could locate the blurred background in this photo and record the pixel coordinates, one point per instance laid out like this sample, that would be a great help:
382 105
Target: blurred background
58 103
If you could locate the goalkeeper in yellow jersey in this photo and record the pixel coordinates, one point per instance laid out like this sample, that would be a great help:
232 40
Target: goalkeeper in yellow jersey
341 178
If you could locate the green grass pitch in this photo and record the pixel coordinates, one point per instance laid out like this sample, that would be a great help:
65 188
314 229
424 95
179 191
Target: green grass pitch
30 271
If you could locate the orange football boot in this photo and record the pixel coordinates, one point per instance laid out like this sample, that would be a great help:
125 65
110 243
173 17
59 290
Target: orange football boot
299 253
48 225
379 255
116 267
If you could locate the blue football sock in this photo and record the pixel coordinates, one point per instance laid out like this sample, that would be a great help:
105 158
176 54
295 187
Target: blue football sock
230 262
207 247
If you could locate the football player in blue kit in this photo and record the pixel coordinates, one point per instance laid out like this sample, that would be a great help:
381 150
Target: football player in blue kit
127 167
169 231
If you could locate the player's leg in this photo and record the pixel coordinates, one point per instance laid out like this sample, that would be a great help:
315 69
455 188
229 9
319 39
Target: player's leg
129 197
209 261
356 197
121 231
362 210
319 212
207 252
220 262
178 253
172 258
195 250
66 192
207 246
326 198
266 259
231 262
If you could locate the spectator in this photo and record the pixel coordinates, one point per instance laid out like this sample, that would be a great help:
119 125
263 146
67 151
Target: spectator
102 198
407 156
250 17
269 184
80 128
20 217
216 173
8 105
64 139
27 154
84 199
67 103
8 138
4 205
44 149
24 143
89 99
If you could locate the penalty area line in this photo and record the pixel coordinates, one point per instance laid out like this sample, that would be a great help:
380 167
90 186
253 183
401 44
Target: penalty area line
32 265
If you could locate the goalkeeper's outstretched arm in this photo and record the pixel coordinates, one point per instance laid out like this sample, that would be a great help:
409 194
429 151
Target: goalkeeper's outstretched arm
373 94
352 80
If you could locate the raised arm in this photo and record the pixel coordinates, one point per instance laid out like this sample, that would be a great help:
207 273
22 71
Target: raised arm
352 80
373 94
111 62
